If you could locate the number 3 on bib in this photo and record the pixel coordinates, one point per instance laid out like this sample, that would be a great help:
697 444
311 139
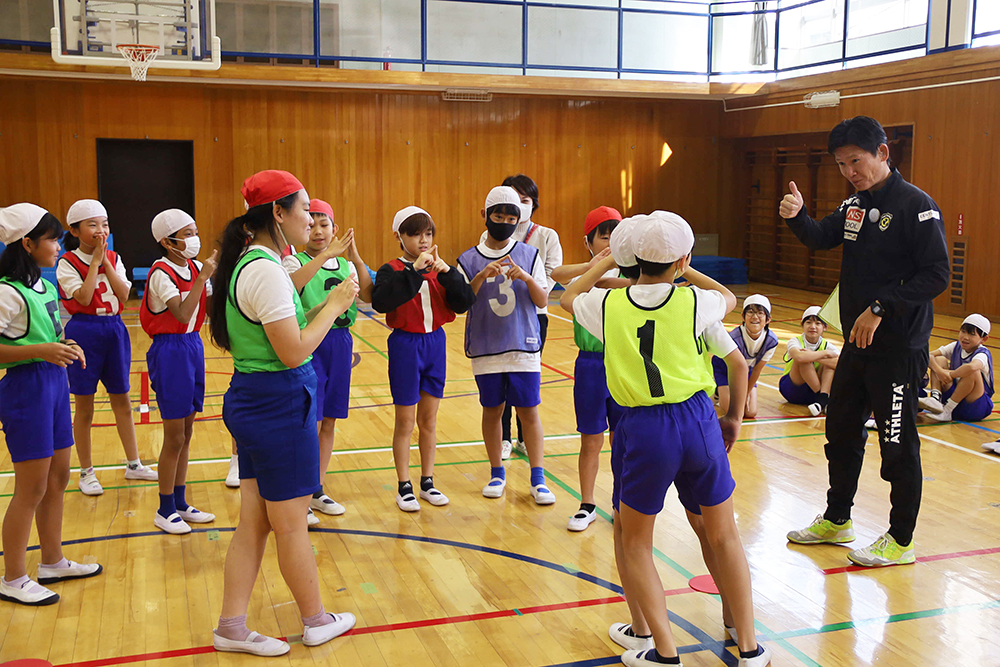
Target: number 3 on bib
506 307
106 296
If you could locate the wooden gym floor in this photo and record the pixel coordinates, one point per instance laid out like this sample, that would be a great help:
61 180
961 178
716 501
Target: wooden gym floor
502 582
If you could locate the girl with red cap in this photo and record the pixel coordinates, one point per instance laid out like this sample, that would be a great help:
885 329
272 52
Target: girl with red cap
270 407
596 411
315 271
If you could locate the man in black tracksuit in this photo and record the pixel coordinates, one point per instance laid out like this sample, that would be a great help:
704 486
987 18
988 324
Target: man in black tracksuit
895 262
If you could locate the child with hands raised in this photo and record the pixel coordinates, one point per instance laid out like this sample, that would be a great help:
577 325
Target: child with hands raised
419 293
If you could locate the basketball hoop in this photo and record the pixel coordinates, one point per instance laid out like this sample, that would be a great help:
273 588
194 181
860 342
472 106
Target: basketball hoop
138 57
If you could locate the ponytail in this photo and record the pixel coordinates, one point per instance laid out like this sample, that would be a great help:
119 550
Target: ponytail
71 242
238 234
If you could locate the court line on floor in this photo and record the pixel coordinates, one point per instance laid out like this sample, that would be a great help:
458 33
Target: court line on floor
920 559
806 632
687 626
677 567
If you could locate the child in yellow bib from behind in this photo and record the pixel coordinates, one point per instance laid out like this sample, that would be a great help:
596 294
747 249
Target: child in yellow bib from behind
659 370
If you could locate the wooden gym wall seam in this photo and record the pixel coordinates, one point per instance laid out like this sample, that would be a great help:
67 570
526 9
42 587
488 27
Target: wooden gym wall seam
371 153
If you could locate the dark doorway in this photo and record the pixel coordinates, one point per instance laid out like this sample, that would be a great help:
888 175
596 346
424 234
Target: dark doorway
136 179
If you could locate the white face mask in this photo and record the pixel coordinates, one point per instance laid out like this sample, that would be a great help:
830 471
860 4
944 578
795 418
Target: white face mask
192 246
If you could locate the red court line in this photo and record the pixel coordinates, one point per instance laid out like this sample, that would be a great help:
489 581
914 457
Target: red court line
920 559
556 370
144 398
503 613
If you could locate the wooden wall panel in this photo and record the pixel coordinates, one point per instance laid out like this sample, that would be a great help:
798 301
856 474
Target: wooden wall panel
953 155
371 153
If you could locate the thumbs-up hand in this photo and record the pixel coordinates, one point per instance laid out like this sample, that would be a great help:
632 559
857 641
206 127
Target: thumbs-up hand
792 203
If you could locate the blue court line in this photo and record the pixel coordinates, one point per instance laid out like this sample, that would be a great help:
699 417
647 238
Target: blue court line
982 428
373 318
707 643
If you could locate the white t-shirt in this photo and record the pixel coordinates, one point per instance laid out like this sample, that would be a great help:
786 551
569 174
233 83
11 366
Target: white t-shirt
550 251
293 264
70 280
753 346
162 289
978 359
508 362
14 311
264 292
793 344
589 309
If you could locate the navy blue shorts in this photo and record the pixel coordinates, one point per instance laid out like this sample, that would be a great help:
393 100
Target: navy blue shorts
417 363
177 374
519 389
969 411
798 394
677 443
272 417
596 411
34 410
332 362
721 372
106 344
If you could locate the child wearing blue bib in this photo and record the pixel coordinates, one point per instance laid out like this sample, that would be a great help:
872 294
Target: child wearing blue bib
502 336
34 404
757 342
961 376
270 408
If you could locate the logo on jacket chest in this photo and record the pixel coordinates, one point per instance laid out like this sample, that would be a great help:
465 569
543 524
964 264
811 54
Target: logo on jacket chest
883 222
853 219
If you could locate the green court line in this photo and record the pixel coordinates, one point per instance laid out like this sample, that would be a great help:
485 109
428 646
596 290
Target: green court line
365 341
880 620
329 472
768 633
677 567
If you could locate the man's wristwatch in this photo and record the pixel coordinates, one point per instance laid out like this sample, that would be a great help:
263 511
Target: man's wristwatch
877 309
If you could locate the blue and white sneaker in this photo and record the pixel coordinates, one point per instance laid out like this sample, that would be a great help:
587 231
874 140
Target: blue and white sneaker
495 488
195 515
542 495
173 524
640 659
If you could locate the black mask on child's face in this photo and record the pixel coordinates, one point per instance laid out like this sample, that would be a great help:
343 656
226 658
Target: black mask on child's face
500 231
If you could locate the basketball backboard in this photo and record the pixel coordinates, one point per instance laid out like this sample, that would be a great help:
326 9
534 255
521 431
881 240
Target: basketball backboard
89 32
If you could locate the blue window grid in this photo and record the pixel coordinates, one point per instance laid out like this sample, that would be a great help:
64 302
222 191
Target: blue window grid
685 8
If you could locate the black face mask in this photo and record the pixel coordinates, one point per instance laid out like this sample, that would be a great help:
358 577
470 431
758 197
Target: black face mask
500 231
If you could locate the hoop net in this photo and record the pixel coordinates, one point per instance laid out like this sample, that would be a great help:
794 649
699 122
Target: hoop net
138 57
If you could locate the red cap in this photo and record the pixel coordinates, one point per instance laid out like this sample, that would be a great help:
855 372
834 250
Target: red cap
269 186
320 206
599 215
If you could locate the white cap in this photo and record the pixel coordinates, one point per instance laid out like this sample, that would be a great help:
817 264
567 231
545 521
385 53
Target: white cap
169 222
621 243
404 213
662 237
504 194
17 220
979 322
811 311
85 209
761 300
